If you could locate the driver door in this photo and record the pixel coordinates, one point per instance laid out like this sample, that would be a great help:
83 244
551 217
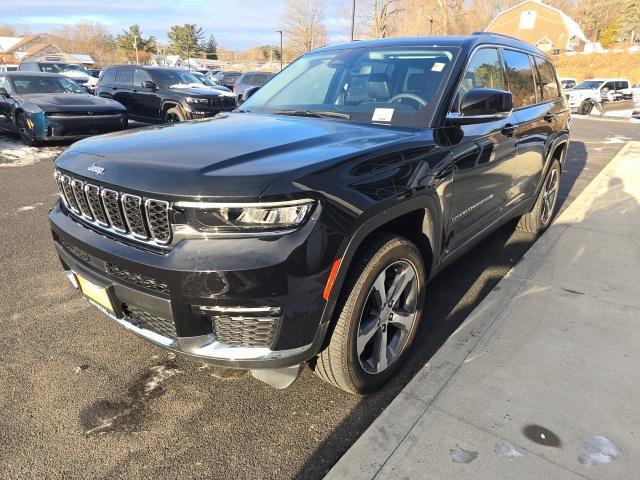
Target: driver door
483 171
5 105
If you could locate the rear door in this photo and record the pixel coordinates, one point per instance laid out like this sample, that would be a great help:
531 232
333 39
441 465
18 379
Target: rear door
535 123
122 88
483 169
144 101
106 86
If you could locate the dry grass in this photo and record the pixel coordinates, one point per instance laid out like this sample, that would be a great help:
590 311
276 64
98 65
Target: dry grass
582 67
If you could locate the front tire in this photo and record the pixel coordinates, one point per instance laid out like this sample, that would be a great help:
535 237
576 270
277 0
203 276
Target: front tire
586 107
174 115
378 316
539 219
25 130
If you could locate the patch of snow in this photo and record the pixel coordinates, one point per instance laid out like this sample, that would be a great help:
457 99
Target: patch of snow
160 374
596 450
460 455
15 154
29 207
507 450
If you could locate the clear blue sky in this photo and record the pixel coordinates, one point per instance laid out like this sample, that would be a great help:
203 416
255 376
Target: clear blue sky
237 24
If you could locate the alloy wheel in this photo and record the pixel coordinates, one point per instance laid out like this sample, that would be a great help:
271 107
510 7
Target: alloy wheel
549 196
388 317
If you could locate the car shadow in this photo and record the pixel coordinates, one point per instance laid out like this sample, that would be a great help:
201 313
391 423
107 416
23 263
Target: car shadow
451 297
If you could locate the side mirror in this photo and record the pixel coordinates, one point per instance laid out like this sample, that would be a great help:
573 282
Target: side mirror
4 92
249 92
150 84
482 105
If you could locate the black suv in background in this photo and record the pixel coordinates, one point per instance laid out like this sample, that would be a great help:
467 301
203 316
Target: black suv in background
162 94
305 226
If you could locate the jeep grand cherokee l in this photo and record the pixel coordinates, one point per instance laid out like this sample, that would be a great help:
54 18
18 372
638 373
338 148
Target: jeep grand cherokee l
162 94
304 227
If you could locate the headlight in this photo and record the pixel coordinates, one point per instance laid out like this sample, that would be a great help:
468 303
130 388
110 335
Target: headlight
253 217
196 101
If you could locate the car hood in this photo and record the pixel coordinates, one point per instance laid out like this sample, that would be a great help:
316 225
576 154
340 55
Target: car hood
69 102
233 155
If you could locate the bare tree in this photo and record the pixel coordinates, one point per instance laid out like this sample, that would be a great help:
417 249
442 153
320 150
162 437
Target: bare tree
87 38
303 22
383 17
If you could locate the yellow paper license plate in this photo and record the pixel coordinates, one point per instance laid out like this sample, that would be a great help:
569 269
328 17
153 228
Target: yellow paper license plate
95 293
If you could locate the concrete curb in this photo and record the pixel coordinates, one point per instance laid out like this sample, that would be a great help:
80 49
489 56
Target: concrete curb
371 451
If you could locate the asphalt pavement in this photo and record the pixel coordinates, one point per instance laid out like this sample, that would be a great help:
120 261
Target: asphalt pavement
83 398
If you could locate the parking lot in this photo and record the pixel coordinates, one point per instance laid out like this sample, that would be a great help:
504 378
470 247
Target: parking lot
85 399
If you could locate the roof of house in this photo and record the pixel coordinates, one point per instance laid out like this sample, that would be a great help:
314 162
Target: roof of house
6 43
23 41
572 27
81 58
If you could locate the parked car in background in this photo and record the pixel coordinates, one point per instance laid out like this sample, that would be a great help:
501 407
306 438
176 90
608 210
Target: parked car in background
613 93
306 226
94 72
251 79
209 82
8 67
46 106
229 79
71 70
162 94
567 82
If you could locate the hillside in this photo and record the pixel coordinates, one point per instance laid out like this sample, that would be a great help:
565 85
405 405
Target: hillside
613 64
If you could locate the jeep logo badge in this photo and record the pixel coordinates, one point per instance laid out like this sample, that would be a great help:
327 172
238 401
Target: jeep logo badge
96 169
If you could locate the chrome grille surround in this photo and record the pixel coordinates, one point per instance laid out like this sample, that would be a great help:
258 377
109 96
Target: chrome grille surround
111 202
122 214
158 218
133 215
95 204
77 186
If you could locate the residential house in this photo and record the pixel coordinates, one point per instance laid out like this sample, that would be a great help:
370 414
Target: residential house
542 25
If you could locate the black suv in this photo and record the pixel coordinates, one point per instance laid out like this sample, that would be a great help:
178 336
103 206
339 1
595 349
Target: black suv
305 227
162 94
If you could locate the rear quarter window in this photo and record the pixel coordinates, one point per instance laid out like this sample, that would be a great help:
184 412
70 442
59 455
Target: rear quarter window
124 76
549 88
108 77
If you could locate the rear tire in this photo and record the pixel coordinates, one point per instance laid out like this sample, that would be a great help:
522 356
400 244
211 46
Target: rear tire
539 219
174 115
378 316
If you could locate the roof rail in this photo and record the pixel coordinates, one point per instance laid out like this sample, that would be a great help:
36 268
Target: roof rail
496 34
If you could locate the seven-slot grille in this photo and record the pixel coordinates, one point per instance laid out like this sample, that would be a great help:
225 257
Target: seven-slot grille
123 213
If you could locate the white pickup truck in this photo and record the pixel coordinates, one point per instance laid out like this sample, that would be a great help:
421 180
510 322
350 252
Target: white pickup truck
606 93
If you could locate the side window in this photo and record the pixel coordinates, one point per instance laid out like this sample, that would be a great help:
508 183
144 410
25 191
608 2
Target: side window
622 85
31 67
610 85
4 83
484 71
124 76
108 77
548 82
140 76
520 78
259 80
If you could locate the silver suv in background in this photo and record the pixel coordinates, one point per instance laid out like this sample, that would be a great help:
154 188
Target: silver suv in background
251 79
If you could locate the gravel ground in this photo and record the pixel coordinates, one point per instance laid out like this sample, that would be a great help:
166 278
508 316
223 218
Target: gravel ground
82 398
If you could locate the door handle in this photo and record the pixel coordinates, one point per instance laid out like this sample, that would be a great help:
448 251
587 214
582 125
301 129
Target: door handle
508 130
550 117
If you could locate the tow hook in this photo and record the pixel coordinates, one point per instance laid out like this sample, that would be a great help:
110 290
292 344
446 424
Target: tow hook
279 378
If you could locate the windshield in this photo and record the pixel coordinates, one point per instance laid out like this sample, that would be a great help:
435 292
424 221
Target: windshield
40 84
204 80
588 85
230 77
395 86
176 78
61 68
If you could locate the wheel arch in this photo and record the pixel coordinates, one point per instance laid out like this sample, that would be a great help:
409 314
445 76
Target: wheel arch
416 219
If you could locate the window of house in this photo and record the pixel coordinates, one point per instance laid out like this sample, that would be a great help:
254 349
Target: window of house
528 20
520 78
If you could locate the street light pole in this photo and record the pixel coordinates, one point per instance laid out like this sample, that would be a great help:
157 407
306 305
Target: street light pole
353 18
281 53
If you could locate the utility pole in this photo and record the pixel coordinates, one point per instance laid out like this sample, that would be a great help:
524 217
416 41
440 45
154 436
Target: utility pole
353 19
135 46
281 53
430 26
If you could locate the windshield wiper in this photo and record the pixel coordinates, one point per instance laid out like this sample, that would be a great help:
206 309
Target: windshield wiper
310 113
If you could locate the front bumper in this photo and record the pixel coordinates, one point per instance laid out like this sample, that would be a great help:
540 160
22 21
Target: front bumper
79 126
284 273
